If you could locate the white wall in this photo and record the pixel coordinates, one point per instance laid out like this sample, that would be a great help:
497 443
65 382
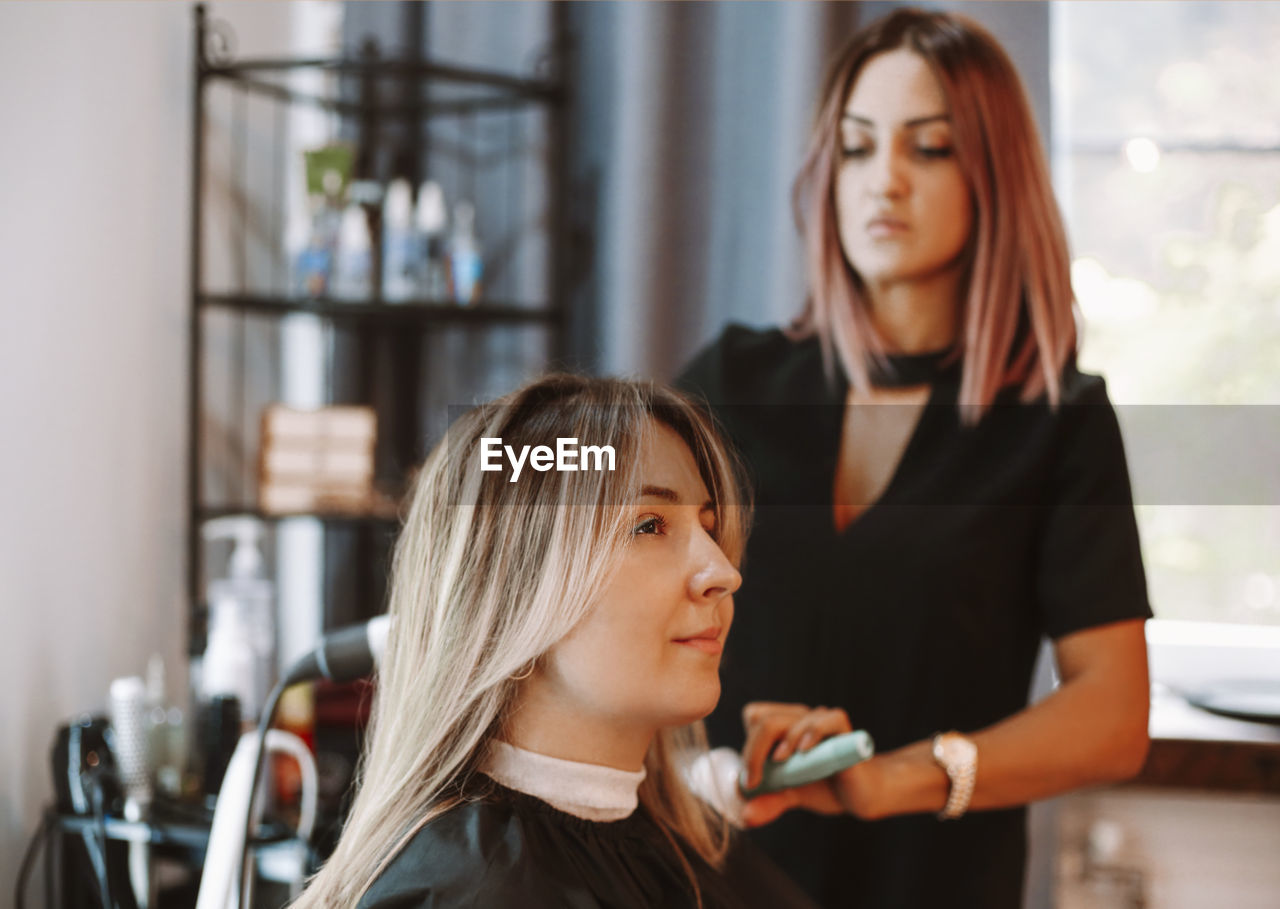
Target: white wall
94 207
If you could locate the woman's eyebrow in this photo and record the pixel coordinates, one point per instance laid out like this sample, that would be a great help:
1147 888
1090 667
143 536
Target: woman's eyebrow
913 122
660 492
670 495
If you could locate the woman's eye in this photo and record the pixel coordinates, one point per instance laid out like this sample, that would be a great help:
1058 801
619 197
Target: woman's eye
650 525
855 151
934 151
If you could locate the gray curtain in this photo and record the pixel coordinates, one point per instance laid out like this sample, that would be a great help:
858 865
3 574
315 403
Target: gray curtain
691 121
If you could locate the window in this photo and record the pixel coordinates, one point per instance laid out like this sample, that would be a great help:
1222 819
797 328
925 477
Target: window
1166 154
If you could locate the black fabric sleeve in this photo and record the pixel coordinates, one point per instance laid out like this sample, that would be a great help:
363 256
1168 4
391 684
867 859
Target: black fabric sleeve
1089 569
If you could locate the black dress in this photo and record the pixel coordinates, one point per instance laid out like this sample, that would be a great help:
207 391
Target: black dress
926 613
509 850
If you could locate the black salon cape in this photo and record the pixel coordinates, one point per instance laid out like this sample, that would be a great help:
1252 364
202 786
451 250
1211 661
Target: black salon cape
509 849
926 613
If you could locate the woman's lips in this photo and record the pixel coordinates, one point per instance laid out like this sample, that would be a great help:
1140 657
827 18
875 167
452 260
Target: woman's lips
707 641
706 645
886 227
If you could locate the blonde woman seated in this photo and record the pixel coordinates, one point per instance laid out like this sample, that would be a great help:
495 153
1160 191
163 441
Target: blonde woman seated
556 642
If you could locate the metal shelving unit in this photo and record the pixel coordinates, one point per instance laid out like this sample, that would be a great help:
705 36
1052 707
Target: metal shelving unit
377 330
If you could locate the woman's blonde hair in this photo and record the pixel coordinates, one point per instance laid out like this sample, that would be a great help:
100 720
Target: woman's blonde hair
488 574
1017 317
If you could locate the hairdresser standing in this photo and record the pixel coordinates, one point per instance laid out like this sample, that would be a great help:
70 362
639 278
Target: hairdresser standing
937 486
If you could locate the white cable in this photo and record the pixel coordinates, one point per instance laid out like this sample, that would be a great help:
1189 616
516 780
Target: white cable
286 742
226 838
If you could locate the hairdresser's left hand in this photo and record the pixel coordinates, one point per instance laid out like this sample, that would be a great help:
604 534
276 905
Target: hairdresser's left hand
781 730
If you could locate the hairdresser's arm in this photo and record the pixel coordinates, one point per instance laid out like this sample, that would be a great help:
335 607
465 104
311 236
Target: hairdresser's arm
1092 729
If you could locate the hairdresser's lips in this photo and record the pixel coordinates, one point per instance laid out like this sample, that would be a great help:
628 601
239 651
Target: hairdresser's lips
883 227
707 640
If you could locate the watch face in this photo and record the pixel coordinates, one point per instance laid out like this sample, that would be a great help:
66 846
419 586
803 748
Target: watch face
955 749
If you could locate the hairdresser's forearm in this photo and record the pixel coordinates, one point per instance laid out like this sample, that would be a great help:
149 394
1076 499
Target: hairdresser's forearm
1082 734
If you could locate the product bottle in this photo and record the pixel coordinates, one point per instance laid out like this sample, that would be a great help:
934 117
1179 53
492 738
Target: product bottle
297 242
465 264
165 732
398 260
429 224
239 658
317 242
351 274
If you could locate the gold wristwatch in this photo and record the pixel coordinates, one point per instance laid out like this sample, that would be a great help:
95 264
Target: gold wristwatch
958 756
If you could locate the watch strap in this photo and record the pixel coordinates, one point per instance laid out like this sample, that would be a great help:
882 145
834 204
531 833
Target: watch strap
962 771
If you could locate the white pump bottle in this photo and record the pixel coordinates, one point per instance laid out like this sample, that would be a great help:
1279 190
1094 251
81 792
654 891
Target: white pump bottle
239 658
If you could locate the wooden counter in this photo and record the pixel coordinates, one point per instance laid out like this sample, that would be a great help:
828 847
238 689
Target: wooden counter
1194 749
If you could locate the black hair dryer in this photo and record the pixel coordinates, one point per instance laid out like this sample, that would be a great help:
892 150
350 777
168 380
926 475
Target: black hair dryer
86 782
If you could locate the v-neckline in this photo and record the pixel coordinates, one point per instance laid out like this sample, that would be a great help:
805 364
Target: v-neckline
908 450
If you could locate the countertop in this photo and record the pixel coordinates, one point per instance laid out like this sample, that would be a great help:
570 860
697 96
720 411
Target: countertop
1194 749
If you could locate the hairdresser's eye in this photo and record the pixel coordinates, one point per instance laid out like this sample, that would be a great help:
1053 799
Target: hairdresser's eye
652 525
855 151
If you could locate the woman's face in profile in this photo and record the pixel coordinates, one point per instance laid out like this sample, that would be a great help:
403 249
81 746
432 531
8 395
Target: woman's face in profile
902 203
649 650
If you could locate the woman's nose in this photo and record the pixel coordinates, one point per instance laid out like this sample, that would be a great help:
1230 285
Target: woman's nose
714 576
887 178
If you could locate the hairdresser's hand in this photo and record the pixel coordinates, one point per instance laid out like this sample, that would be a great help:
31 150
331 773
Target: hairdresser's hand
781 730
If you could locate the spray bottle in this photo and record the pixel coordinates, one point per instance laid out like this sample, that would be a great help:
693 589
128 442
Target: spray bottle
240 653
429 224
351 278
398 259
465 265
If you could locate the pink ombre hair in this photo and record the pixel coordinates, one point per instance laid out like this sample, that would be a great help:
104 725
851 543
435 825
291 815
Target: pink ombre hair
1017 271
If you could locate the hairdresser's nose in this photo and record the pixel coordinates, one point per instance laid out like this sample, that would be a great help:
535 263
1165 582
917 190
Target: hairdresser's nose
713 576
887 178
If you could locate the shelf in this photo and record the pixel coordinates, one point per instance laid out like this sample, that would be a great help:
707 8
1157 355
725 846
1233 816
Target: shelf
516 85
189 834
210 512
410 311
468 89
415 110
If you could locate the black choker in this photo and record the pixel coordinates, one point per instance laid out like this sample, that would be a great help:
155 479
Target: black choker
905 370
